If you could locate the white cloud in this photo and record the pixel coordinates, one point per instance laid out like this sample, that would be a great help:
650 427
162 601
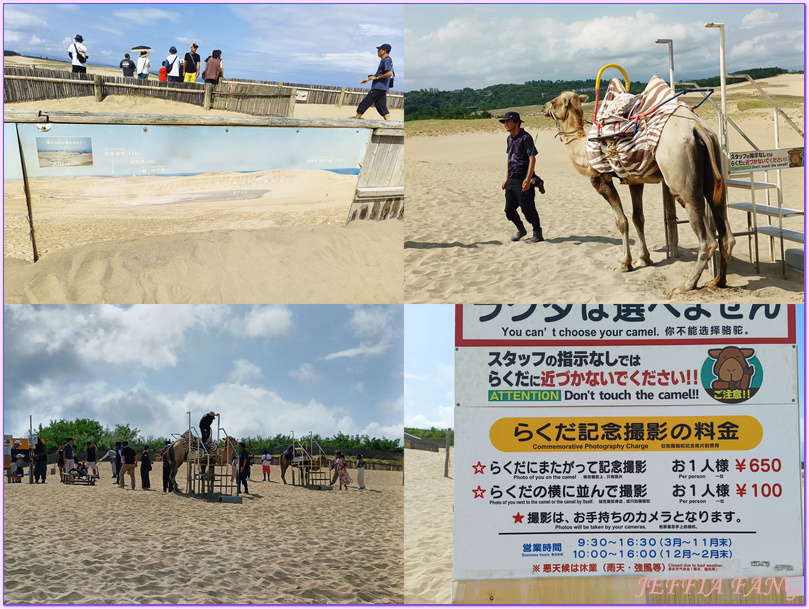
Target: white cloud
363 349
244 370
306 373
266 321
758 17
373 29
145 335
145 16
390 432
446 418
20 20
392 406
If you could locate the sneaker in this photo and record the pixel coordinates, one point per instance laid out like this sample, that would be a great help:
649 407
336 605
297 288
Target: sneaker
519 234
537 237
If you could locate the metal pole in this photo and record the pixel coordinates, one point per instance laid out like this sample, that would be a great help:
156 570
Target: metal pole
30 449
669 42
446 456
723 135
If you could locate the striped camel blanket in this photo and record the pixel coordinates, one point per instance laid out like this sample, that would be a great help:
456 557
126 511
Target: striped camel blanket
625 137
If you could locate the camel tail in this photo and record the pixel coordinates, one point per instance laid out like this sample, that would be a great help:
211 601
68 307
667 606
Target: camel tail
717 195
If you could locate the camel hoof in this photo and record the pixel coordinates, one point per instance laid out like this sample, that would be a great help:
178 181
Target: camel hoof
682 289
645 262
716 282
624 268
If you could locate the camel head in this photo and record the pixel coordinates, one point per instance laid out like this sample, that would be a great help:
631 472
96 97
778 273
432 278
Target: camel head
566 104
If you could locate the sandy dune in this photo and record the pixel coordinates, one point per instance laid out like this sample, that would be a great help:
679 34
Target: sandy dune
457 246
356 263
428 528
284 544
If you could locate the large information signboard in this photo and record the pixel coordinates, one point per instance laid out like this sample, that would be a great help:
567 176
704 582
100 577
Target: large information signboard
696 474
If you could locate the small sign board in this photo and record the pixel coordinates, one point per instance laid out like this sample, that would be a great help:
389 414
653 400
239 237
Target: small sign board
763 160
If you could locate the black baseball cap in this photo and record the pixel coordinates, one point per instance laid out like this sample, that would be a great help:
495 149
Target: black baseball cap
514 116
386 48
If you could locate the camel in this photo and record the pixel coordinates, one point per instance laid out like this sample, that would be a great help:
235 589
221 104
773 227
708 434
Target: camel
178 455
311 465
687 162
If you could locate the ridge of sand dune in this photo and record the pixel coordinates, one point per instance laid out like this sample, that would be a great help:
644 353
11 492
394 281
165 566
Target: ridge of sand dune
356 263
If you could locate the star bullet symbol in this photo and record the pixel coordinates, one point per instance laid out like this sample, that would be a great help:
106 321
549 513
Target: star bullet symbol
518 518
478 492
479 468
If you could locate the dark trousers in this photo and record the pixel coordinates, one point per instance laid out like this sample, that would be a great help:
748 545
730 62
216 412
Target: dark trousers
167 478
516 199
242 480
205 433
80 69
376 98
144 478
40 468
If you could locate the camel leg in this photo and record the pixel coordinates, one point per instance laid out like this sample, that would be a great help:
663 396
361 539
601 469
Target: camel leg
707 242
636 191
604 186
726 243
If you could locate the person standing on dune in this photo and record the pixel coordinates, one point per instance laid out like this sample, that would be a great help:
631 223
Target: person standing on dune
383 80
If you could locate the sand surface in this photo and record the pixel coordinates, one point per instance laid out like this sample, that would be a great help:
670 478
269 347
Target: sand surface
428 527
267 236
284 544
457 246
356 263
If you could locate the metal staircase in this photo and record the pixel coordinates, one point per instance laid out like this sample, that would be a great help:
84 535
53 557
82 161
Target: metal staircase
743 172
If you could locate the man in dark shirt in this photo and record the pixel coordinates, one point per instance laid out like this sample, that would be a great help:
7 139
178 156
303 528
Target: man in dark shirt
244 468
128 66
92 459
167 456
522 156
191 65
117 475
383 80
129 460
205 426
69 454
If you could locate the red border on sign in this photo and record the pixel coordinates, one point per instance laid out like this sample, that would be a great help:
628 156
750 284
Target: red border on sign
460 341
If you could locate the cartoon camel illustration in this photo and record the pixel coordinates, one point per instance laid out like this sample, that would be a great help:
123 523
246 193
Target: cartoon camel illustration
686 161
732 369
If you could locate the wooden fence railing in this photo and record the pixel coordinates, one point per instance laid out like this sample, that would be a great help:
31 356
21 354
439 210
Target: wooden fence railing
339 96
26 84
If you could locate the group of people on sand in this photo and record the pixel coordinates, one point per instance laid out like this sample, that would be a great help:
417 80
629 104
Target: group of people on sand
174 69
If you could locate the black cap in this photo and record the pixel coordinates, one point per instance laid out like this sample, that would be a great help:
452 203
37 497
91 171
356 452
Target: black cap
78 38
386 47
514 116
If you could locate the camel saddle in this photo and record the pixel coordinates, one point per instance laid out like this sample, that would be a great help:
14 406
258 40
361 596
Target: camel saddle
624 138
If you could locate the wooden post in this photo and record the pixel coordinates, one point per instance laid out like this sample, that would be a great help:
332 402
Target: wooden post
293 94
670 222
27 195
206 104
342 97
98 83
446 456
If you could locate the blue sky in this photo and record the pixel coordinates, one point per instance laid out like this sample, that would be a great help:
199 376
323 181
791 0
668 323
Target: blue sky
265 369
429 364
455 46
331 44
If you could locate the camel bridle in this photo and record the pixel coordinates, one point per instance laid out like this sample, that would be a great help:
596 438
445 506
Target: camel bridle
566 137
